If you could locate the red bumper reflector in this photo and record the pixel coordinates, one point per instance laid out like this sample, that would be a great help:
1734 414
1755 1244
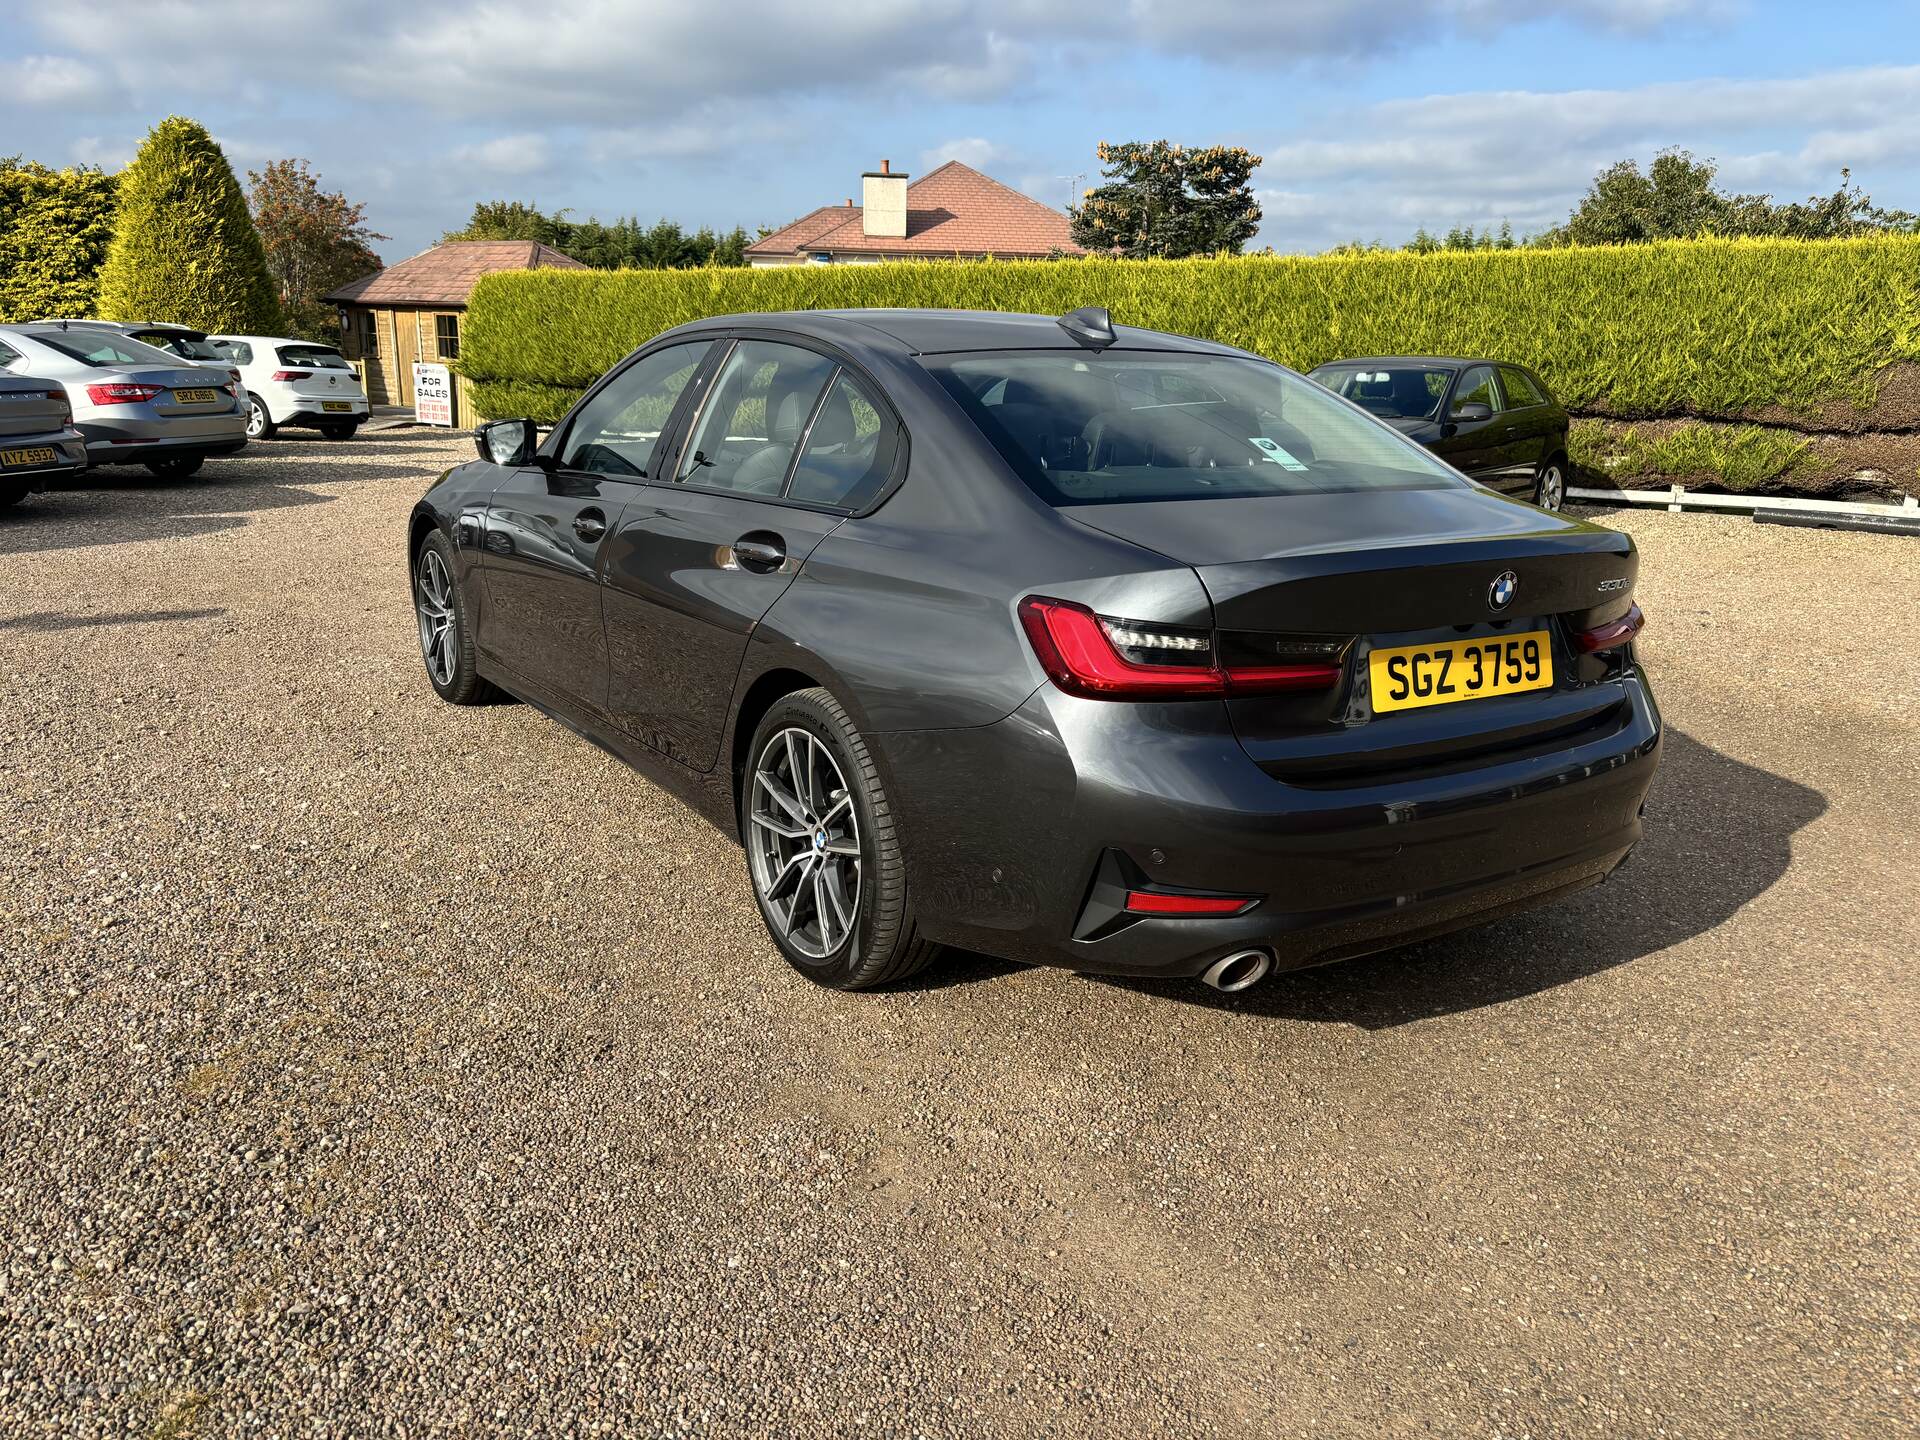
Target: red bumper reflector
1613 634
1154 902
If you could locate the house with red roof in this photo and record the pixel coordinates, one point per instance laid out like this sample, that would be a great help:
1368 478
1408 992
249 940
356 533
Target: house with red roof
954 213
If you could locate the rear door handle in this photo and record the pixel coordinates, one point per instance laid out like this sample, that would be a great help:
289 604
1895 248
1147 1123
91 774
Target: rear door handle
760 551
589 525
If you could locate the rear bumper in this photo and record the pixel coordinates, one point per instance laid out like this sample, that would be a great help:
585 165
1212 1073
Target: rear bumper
135 441
306 410
70 457
1340 871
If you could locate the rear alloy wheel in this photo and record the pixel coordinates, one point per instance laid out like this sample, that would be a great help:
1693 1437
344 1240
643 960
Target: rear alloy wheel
260 425
178 467
827 866
446 640
339 429
1550 488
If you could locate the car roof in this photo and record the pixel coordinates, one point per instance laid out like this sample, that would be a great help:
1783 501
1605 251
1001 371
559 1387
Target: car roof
1456 362
930 332
277 340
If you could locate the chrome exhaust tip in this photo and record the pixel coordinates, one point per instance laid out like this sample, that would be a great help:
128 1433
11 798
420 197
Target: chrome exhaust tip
1239 971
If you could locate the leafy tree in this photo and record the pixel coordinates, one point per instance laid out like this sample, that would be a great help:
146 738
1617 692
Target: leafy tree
1165 200
1676 199
55 227
515 220
618 245
184 247
316 240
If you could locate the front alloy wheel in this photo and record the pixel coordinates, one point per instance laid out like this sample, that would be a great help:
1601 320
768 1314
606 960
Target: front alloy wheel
445 643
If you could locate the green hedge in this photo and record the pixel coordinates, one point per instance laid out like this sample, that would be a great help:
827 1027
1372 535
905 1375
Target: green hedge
1707 327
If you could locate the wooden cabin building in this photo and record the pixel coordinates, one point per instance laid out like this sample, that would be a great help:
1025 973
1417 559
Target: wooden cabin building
413 312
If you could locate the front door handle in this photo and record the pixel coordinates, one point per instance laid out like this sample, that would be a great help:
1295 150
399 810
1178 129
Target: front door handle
589 525
760 551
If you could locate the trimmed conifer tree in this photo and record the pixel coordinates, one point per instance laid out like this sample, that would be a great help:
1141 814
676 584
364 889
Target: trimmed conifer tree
184 247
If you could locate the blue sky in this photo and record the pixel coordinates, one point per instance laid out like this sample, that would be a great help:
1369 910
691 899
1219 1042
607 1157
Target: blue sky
1373 119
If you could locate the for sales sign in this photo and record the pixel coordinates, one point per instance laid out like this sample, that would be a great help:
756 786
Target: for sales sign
432 394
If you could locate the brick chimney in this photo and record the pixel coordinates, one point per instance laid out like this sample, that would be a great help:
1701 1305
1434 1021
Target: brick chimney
883 203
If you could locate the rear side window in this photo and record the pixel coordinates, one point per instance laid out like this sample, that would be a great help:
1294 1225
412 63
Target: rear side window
1521 391
238 351
616 431
9 356
1113 428
849 449
755 417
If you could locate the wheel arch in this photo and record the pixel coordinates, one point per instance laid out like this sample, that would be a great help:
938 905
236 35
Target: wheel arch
760 695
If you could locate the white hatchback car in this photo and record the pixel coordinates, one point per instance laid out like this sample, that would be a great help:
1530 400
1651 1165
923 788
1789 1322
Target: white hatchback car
296 382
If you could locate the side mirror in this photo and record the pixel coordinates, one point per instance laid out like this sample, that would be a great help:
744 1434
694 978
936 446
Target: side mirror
507 442
1472 410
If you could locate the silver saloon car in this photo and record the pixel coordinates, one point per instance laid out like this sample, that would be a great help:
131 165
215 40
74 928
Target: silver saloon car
37 440
133 404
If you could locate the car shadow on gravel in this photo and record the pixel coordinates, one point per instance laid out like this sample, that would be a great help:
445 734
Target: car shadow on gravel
48 622
1719 834
125 505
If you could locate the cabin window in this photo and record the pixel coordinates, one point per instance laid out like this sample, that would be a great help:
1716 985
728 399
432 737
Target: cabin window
446 336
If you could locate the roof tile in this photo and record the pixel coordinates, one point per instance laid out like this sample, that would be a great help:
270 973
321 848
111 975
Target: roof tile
446 274
954 210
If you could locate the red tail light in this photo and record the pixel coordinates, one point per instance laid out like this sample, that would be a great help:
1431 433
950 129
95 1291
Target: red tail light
1157 902
123 393
1077 649
290 375
1613 634
59 397
234 375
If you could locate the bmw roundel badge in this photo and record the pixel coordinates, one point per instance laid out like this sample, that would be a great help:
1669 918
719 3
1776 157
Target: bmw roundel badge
1500 592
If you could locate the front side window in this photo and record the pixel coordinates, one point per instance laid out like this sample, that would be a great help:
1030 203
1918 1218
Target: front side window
1476 388
1083 429
753 421
849 450
446 336
1398 392
616 431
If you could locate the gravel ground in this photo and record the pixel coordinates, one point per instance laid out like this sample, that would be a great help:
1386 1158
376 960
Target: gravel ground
372 1067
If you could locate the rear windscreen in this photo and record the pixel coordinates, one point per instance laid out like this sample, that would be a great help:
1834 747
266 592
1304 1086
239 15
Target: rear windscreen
1089 429
317 356
1398 392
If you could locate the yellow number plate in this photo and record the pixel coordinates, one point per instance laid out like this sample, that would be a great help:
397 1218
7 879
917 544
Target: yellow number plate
1411 676
194 397
38 455
336 405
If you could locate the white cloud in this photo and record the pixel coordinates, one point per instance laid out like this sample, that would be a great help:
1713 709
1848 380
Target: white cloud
47 80
611 61
505 155
974 151
1381 170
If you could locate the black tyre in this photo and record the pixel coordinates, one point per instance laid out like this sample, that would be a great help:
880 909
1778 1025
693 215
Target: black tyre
1550 485
823 853
11 495
260 424
446 637
178 467
338 429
